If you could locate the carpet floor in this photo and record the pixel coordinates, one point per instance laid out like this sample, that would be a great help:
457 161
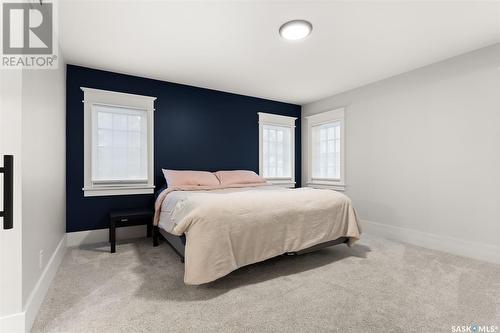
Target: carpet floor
375 286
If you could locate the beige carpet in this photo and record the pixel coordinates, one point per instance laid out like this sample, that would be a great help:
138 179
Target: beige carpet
375 286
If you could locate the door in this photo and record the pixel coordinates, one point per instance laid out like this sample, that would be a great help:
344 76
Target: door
11 307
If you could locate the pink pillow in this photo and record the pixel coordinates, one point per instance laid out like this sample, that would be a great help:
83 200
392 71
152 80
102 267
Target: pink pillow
187 177
239 177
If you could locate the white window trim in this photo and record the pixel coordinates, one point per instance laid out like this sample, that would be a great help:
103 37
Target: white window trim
285 121
318 119
111 98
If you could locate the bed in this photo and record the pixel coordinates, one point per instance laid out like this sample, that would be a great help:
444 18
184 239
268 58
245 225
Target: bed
217 229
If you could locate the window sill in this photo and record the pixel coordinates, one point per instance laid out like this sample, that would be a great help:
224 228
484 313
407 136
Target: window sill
114 190
327 185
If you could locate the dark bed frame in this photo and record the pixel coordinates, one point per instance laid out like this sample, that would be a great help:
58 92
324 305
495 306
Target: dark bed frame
178 243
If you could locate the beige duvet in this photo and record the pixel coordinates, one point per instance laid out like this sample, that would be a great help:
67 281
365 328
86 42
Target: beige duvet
226 230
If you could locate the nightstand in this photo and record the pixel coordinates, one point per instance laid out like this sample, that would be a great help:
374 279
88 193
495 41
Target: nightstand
125 218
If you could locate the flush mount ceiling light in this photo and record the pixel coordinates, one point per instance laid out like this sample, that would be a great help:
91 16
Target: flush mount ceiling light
295 30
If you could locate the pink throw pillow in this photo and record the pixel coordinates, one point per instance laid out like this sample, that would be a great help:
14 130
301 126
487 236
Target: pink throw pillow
239 177
188 177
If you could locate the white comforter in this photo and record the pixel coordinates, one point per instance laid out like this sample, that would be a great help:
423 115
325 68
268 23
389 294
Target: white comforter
175 200
229 228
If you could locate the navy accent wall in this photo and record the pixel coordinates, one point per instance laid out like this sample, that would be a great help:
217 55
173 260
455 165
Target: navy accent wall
195 128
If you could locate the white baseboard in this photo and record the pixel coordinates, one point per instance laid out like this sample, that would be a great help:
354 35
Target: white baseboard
42 286
102 235
22 321
13 323
465 248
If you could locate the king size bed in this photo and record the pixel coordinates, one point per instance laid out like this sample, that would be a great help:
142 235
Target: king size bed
217 227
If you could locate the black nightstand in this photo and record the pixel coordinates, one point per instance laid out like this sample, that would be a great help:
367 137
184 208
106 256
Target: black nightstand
125 218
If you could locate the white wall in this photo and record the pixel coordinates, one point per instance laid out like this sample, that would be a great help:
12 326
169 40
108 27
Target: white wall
423 148
44 179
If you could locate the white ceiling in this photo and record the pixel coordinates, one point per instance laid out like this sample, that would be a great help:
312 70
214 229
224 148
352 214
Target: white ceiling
234 45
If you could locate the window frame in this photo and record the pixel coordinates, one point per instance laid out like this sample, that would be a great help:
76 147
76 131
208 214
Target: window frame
336 115
282 121
123 100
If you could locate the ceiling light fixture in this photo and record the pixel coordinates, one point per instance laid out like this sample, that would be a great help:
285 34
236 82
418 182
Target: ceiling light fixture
295 30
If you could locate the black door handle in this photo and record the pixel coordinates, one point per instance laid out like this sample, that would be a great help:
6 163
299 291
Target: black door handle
8 191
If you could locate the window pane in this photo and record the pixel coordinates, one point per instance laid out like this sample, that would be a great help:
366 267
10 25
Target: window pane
322 134
276 155
120 139
120 121
134 123
322 146
331 133
119 144
326 151
331 146
280 136
134 139
104 155
105 138
105 120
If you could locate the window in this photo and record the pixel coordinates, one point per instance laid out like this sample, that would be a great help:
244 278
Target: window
118 143
325 135
326 151
277 148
